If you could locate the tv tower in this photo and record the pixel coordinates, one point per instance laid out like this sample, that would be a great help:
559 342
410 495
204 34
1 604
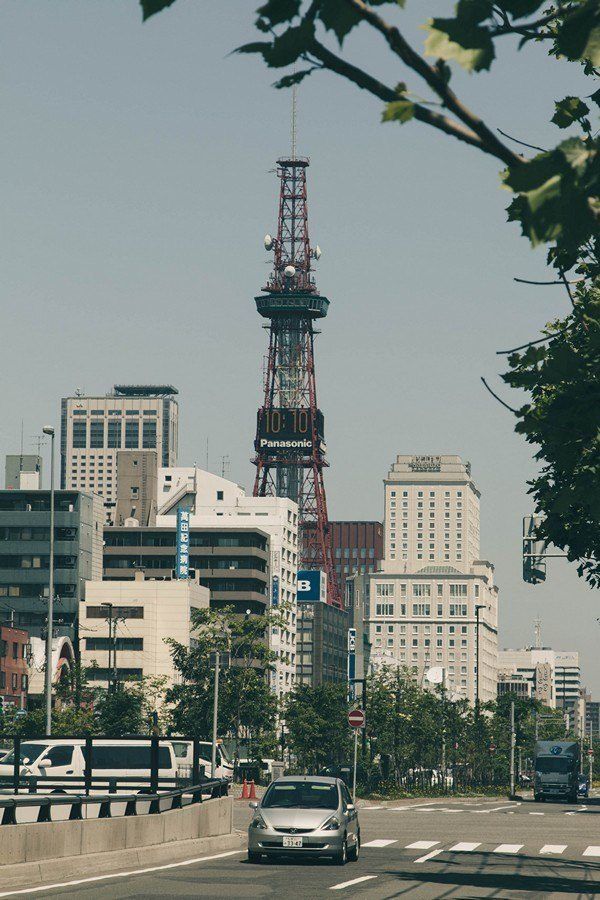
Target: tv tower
290 447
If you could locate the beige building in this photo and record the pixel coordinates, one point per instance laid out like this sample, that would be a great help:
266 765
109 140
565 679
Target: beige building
95 429
554 675
136 488
434 602
146 612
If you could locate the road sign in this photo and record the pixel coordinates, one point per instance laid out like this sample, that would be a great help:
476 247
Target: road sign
590 752
356 718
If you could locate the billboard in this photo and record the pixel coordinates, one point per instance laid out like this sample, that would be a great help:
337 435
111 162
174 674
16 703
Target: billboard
312 585
281 429
182 563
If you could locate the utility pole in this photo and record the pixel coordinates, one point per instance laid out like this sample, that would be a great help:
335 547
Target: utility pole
109 619
513 741
213 757
478 607
48 429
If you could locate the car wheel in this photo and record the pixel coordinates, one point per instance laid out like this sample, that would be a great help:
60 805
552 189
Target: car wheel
354 852
253 857
341 857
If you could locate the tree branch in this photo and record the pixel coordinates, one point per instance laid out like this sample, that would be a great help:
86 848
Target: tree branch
496 397
400 46
388 95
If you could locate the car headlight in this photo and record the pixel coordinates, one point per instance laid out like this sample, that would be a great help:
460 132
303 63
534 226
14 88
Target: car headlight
259 822
332 824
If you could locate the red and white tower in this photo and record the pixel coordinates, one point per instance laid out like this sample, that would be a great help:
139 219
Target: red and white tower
290 446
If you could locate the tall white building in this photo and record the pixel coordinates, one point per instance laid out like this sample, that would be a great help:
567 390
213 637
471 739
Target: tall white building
215 501
434 602
94 429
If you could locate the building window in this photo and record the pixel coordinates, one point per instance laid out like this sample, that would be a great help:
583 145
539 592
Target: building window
385 590
384 609
97 433
458 590
476 590
458 609
440 609
421 609
79 434
219 495
132 435
421 590
148 435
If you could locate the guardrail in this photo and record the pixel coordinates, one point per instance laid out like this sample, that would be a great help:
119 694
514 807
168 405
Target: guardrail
156 802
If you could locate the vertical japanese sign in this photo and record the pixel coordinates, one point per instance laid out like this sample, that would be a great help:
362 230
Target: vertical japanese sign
351 663
183 544
275 591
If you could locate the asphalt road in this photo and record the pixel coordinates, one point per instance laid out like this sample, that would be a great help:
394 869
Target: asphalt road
422 849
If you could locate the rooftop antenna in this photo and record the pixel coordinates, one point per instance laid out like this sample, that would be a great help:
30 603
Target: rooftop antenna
225 466
294 117
537 627
21 455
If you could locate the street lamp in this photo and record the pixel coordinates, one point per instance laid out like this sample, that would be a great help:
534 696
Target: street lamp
49 430
478 606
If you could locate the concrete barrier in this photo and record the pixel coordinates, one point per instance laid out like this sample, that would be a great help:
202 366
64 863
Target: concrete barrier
61 840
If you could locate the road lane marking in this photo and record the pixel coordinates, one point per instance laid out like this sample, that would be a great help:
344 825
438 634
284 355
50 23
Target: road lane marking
413 806
592 851
421 845
63 884
537 814
427 856
497 808
380 842
464 847
365 808
553 848
345 884
508 848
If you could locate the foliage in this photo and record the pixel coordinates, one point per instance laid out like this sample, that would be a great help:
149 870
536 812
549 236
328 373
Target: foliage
247 705
563 419
317 723
121 711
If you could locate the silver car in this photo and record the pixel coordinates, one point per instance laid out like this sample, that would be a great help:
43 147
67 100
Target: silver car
302 815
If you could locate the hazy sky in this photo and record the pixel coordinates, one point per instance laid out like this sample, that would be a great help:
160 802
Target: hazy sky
138 185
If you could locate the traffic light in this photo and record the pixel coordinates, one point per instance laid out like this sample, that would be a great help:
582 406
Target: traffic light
534 551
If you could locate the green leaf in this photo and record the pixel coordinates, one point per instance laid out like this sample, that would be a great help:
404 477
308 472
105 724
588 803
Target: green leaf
578 37
470 45
568 111
596 97
339 17
279 11
151 7
287 47
520 8
399 111
292 79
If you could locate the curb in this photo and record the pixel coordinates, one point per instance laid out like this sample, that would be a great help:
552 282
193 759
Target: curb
52 871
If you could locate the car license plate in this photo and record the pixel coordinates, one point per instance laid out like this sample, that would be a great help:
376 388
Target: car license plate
292 841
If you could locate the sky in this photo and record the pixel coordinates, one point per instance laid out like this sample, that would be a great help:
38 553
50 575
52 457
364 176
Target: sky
138 185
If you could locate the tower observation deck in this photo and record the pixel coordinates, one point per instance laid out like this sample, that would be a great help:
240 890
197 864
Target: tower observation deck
290 439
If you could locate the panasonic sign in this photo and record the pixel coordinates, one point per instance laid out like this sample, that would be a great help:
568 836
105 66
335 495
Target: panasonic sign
269 443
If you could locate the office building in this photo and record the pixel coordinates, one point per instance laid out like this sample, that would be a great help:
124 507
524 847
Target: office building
25 555
321 644
357 607
214 502
516 685
23 472
592 719
434 602
14 667
146 612
357 547
95 429
554 675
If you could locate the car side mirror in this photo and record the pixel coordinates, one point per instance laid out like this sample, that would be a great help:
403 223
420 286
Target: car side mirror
44 764
350 807
253 804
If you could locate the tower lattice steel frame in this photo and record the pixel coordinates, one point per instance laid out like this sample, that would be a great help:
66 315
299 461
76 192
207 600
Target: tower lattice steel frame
290 447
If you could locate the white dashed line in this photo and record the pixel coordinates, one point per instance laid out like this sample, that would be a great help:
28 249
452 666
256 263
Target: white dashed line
464 847
380 842
537 814
553 848
412 806
508 848
592 851
345 884
421 845
497 808
427 856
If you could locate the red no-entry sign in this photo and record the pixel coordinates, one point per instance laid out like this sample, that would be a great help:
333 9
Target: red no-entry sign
356 718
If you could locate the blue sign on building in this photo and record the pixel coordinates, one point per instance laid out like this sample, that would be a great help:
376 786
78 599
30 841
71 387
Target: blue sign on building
311 585
275 591
182 569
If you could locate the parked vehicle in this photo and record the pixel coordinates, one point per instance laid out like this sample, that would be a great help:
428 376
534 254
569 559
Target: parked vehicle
111 758
305 816
184 753
556 765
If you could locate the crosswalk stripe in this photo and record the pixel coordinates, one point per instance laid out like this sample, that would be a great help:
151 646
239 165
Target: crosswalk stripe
592 851
345 884
421 845
464 847
553 848
380 842
508 848
427 856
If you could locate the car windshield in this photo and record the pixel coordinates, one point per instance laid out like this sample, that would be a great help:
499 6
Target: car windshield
558 765
28 753
301 795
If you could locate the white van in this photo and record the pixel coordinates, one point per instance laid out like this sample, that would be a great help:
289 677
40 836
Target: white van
184 753
111 758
